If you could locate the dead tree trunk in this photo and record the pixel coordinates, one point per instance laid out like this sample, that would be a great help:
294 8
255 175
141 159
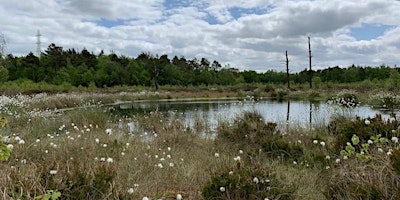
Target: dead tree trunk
310 70
287 72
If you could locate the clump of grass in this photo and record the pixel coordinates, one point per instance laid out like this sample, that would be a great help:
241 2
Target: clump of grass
358 180
249 130
247 183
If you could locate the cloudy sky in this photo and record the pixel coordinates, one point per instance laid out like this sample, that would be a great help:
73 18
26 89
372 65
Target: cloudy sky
246 34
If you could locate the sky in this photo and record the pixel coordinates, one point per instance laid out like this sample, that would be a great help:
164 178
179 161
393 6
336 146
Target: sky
244 34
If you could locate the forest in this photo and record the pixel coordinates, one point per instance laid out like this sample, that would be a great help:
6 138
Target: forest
58 66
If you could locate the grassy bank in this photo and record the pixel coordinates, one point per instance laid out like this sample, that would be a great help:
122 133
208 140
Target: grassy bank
320 91
89 153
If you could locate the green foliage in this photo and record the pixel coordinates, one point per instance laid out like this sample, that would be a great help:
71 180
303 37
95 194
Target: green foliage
3 74
247 132
345 98
5 151
50 195
278 146
394 80
385 100
56 66
279 94
365 129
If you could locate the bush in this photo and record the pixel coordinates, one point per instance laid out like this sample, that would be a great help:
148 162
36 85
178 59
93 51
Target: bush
277 146
344 129
246 132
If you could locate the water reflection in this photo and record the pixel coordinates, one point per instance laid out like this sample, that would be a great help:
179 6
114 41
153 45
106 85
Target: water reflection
303 113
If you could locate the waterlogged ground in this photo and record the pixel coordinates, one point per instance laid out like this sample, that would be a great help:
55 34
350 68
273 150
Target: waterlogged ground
91 152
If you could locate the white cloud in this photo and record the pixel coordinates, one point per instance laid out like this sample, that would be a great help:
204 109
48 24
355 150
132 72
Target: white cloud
251 41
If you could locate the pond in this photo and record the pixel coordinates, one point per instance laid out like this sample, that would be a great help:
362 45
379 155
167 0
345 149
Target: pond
302 113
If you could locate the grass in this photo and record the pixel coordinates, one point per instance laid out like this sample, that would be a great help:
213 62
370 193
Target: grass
89 153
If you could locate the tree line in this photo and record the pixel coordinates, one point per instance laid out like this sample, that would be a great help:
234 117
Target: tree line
58 66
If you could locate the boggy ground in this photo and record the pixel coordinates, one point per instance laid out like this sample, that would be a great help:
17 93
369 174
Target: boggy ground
89 153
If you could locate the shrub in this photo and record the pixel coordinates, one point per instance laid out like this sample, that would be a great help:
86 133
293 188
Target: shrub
345 98
277 146
344 129
248 131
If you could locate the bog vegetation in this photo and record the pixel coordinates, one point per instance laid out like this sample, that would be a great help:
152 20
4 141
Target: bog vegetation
91 153
59 140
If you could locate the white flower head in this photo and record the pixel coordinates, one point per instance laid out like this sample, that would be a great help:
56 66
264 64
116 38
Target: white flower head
110 160
131 191
255 180
222 189
10 146
53 172
17 138
327 157
178 197
216 155
322 143
109 131
367 122
315 141
395 139
237 158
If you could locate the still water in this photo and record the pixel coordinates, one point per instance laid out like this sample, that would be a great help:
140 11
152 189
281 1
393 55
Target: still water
303 113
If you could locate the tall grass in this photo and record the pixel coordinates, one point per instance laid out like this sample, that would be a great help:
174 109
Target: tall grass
89 153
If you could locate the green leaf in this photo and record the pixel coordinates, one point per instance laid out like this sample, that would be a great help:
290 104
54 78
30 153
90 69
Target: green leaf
3 122
350 149
50 195
5 152
355 139
344 153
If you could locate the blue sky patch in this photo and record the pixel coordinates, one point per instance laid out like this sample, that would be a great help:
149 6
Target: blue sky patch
237 12
171 4
368 31
109 23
